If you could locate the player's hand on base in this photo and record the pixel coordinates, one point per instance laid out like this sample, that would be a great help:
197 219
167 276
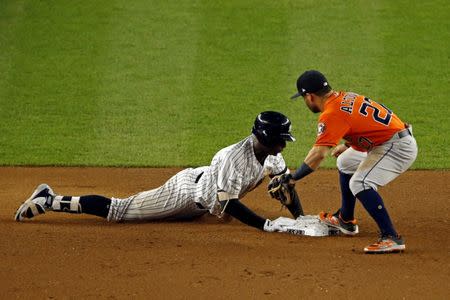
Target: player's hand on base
272 226
338 150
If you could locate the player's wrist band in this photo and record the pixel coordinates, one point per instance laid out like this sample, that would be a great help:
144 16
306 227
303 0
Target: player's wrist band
302 172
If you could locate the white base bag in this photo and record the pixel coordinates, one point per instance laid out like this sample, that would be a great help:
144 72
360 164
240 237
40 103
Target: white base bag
306 225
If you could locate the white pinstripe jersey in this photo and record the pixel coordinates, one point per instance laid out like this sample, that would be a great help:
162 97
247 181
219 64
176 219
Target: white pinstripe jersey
234 170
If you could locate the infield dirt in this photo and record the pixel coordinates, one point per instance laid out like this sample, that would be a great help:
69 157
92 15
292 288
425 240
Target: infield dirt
70 256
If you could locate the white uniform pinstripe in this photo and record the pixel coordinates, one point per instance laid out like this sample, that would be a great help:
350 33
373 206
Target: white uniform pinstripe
234 171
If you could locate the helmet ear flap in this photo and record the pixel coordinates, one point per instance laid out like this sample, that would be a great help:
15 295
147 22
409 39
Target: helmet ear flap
265 138
261 135
271 128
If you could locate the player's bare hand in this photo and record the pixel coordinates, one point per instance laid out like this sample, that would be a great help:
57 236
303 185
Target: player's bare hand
338 150
273 226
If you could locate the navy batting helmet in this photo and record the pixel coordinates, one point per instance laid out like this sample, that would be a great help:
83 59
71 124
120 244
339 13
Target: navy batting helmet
272 128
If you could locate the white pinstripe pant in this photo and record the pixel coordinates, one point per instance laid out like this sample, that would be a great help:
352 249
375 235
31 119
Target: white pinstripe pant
173 200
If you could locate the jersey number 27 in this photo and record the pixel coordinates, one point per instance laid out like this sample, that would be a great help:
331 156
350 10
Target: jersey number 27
377 109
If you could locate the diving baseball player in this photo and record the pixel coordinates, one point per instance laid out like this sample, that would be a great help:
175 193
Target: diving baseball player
378 148
217 189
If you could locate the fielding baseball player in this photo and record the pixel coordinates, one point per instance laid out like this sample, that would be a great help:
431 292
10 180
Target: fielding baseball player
378 148
234 171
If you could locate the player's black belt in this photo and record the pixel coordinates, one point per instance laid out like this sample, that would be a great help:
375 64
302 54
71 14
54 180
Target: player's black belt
403 133
196 181
198 177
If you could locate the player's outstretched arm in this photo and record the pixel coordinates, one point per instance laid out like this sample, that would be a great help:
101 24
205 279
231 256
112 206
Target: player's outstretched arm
236 209
311 162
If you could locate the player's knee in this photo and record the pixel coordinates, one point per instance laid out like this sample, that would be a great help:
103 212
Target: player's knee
358 184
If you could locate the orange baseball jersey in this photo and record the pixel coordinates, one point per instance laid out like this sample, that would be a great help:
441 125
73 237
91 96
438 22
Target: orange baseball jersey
362 122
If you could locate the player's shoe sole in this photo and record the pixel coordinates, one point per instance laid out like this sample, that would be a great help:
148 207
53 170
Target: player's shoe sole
385 246
30 208
333 221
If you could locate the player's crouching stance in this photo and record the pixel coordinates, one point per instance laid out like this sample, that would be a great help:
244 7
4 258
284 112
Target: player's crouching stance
234 171
379 147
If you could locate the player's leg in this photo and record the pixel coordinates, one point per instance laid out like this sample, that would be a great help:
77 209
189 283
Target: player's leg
343 219
383 164
91 204
347 164
173 200
150 205
44 199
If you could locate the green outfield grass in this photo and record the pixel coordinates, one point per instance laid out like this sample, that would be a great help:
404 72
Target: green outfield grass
168 83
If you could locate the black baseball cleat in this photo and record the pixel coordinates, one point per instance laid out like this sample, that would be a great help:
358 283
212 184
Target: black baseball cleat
37 204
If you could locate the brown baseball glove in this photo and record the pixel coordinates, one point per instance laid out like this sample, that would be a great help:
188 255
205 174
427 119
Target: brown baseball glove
280 187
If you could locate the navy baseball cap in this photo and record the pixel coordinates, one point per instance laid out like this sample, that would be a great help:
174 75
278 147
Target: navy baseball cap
310 82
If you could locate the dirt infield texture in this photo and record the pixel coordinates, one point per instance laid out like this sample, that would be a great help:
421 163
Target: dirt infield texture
70 256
